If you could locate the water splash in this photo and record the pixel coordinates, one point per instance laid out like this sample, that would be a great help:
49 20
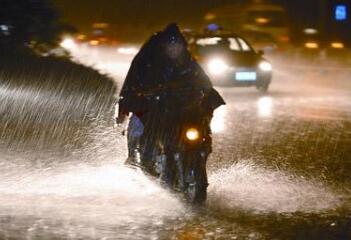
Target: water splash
85 200
247 186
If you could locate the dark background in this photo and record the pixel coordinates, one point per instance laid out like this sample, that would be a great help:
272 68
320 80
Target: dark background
135 19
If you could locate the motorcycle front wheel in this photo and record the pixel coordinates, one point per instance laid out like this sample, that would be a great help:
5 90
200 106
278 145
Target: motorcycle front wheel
196 179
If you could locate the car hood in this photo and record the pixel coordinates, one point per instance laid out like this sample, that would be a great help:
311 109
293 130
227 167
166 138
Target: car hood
243 59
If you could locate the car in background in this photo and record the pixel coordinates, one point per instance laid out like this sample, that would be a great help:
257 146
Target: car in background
314 47
252 16
229 59
269 18
260 40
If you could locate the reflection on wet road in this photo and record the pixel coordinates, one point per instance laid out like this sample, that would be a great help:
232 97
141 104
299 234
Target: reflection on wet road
279 170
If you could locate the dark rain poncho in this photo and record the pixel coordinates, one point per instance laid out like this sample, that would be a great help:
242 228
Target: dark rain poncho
161 90
151 73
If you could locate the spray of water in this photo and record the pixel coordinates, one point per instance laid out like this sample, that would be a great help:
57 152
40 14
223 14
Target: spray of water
250 187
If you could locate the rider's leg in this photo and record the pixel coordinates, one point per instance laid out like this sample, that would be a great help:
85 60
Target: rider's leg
170 169
135 131
133 148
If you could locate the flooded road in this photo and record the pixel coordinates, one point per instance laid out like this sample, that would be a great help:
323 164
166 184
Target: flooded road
280 167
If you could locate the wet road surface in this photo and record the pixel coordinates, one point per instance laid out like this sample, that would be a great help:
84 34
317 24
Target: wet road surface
280 168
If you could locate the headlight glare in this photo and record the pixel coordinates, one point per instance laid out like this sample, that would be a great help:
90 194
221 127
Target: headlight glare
68 43
265 66
192 134
217 66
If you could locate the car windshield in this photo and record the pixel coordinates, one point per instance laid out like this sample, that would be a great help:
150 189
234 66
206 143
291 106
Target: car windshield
236 44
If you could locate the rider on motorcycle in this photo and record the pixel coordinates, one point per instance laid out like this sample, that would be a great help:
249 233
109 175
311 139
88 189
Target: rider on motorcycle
165 86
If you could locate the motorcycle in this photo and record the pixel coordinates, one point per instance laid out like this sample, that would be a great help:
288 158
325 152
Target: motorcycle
178 159
184 169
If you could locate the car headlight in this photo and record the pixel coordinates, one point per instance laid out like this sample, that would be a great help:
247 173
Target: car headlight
265 66
68 43
217 66
337 45
192 134
311 45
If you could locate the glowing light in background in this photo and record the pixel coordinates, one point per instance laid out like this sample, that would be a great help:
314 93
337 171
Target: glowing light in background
337 45
210 16
310 31
113 68
81 37
340 12
4 28
127 50
262 20
312 45
284 38
265 106
213 27
218 122
94 42
68 43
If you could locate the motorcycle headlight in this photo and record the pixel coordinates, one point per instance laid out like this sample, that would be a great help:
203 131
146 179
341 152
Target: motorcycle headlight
217 66
192 134
265 66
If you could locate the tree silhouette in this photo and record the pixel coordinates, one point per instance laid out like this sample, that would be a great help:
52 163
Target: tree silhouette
30 24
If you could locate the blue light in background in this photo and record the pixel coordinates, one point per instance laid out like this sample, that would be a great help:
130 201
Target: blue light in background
213 27
340 12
